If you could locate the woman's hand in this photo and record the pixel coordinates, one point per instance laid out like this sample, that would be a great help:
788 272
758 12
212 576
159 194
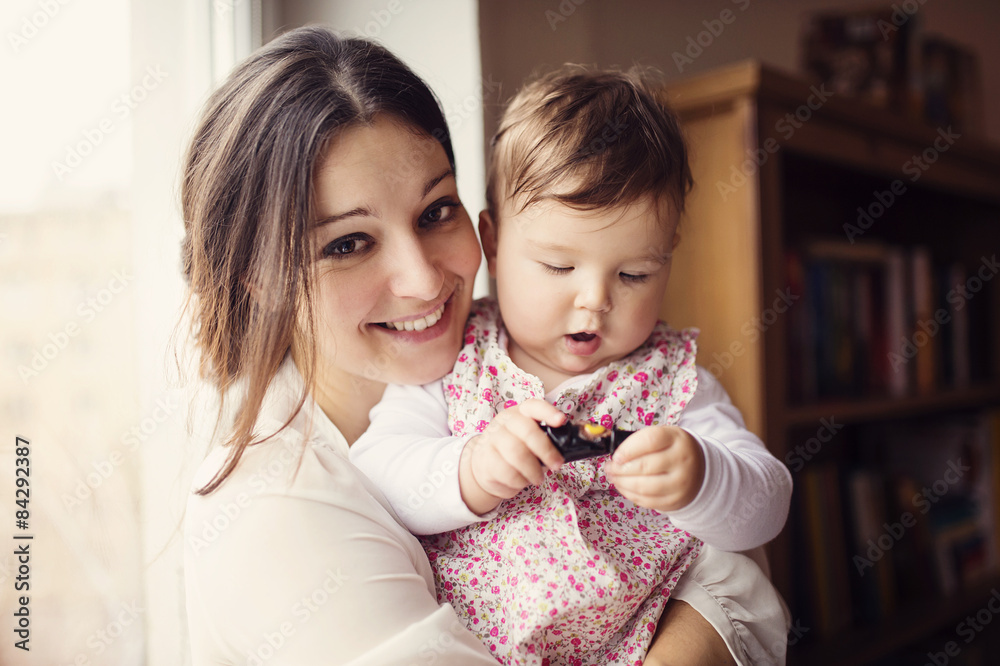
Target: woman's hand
660 467
508 456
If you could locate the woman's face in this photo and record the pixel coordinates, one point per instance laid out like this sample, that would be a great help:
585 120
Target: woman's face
395 256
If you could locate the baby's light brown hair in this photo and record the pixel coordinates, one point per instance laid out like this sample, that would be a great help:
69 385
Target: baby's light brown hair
588 139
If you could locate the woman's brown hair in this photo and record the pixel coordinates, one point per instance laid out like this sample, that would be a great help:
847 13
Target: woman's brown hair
247 202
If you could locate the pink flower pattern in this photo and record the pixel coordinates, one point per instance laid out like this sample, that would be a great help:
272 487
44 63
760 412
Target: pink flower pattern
569 572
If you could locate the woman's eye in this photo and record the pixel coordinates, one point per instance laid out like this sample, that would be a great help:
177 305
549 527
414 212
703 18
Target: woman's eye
440 212
346 246
557 270
638 279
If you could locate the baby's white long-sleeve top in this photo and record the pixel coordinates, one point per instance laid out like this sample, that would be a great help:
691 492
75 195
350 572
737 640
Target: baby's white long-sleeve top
410 453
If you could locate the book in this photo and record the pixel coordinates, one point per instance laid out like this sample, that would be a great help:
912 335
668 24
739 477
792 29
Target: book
985 454
951 82
865 53
840 352
817 552
982 338
942 312
992 487
878 373
826 572
952 529
896 322
839 279
914 562
952 464
801 359
923 328
872 557
863 372
840 570
819 306
959 340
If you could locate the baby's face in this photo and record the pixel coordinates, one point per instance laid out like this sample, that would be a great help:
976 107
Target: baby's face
579 289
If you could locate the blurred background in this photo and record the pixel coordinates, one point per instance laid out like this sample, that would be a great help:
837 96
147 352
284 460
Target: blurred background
102 97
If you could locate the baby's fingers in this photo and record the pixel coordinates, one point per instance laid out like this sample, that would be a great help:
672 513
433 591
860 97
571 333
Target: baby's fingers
654 485
653 492
643 443
491 468
505 482
519 456
535 440
541 411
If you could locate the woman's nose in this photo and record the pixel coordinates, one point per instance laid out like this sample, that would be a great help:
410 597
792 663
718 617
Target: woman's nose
594 295
415 271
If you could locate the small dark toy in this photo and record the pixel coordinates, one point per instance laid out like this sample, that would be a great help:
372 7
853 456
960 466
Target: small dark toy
578 440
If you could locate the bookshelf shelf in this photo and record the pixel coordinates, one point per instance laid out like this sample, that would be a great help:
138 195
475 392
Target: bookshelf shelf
783 293
881 407
909 625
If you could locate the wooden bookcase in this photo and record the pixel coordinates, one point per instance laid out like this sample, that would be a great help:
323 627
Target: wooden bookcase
764 181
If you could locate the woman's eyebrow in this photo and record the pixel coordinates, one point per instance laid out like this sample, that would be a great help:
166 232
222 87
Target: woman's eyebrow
364 211
433 182
361 211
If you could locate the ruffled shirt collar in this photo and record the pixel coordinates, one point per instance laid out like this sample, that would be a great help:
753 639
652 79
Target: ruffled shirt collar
311 421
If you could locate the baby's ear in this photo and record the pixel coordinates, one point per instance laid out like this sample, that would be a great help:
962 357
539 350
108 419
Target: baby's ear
488 236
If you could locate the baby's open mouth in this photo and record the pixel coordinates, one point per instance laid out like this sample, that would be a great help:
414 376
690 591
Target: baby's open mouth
583 343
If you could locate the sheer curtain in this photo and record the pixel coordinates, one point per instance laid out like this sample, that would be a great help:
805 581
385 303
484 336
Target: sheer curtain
101 99
197 42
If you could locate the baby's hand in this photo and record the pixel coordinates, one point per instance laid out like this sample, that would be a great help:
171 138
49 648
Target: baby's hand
499 463
660 467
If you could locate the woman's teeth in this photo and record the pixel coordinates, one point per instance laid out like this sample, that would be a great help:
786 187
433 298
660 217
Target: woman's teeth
417 324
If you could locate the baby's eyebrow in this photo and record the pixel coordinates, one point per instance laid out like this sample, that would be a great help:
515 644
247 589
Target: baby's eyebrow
552 247
652 254
657 256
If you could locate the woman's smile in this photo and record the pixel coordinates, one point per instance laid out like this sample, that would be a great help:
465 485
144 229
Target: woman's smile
422 327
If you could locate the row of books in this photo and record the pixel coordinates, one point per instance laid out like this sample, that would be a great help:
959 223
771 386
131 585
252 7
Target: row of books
913 519
877 319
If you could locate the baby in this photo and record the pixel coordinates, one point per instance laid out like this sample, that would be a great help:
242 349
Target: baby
573 563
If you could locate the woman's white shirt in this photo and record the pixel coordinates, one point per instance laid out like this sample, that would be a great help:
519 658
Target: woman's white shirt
297 557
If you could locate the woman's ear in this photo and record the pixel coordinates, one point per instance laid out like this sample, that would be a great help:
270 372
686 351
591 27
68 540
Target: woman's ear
677 240
488 236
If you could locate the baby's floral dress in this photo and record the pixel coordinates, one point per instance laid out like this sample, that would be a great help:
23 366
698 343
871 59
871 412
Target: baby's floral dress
570 572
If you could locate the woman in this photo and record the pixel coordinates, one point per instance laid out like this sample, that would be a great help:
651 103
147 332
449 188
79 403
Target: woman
327 253
292 556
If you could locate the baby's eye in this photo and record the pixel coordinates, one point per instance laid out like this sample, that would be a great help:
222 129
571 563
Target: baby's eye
636 279
557 270
347 245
